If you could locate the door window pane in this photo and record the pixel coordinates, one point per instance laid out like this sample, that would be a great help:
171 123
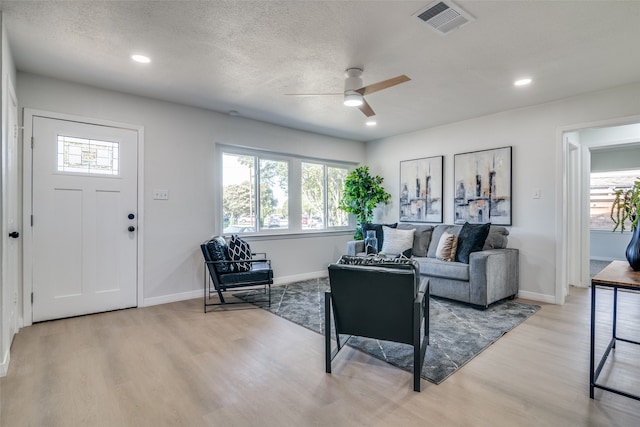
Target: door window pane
274 194
312 196
88 156
238 193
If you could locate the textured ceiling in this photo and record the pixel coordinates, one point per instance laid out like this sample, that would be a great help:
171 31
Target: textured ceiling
245 55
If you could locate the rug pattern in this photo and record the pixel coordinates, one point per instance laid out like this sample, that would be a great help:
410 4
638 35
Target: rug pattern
458 332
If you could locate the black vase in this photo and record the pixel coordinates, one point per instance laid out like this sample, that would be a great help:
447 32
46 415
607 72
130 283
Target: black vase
633 250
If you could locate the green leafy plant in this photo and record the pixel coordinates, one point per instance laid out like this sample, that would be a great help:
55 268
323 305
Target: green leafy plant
362 192
626 205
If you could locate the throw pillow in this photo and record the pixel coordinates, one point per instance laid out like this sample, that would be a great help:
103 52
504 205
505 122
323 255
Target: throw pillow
217 248
435 238
421 238
496 239
396 241
447 246
471 239
378 230
239 250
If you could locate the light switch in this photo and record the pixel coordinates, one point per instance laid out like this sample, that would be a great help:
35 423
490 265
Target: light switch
536 193
160 194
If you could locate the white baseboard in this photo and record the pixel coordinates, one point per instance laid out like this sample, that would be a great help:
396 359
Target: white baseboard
4 366
300 277
551 299
600 258
166 299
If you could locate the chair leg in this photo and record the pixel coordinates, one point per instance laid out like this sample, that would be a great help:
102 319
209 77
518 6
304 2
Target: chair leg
327 331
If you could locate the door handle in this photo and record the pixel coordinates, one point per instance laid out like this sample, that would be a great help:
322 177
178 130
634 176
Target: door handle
14 234
131 228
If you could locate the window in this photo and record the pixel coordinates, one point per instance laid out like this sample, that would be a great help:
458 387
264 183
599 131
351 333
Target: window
603 188
275 193
87 156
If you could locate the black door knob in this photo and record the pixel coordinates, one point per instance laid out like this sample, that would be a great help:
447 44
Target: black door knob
131 216
14 234
131 228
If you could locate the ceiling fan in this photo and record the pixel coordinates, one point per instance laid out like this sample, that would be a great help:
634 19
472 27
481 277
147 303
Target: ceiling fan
354 91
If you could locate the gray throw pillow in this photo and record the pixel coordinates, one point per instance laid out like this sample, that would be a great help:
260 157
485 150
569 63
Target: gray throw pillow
421 238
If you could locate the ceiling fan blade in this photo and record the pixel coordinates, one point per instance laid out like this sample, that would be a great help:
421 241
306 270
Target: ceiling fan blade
366 109
375 87
315 94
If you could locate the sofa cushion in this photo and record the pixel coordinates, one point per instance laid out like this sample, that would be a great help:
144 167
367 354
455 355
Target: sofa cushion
448 270
378 229
396 241
447 246
471 239
421 238
497 238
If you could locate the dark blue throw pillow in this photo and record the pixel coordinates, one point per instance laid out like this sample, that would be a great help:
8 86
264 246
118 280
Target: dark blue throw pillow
378 229
471 239
217 248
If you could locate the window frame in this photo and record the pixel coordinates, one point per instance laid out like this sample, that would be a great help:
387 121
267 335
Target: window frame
294 191
613 172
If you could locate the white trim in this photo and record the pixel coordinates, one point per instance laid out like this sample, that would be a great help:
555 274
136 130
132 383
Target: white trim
4 366
166 299
299 277
182 296
551 299
27 190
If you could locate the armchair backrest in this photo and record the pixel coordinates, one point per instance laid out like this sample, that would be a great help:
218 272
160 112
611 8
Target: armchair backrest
374 301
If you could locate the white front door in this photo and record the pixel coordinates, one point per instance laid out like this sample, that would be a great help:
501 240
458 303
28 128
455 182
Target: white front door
10 226
84 238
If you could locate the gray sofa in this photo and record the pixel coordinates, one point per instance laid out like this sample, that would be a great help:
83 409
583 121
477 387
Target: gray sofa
492 274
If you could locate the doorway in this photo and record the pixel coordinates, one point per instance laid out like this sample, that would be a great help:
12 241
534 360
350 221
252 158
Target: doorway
575 246
84 239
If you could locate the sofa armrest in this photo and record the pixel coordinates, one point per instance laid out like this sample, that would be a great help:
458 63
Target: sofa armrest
354 247
494 275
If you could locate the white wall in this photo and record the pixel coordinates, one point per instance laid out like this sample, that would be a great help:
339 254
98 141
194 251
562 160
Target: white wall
534 134
179 155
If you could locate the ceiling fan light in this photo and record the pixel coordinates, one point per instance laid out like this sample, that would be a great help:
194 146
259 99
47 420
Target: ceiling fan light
353 99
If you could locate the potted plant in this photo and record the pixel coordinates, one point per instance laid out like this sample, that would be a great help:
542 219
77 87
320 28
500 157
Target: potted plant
362 192
626 206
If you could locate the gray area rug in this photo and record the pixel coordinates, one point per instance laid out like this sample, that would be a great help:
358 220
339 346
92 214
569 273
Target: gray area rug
458 332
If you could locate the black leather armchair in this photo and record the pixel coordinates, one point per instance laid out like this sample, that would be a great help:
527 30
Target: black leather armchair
386 301
223 277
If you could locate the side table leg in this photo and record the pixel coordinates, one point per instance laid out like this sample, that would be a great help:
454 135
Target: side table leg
615 315
593 338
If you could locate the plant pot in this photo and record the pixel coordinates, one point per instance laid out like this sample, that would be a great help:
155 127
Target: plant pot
633 250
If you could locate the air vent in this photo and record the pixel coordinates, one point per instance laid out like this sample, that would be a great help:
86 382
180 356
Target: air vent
444 16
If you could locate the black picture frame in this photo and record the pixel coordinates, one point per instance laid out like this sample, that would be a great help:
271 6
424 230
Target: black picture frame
421 190
483 187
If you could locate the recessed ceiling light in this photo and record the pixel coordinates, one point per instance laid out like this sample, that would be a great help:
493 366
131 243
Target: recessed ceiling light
371 123
522 82
141 59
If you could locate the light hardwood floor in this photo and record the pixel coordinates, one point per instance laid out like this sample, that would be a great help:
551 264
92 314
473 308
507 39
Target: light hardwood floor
172 365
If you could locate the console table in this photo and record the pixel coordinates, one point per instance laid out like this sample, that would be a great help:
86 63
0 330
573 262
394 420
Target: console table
617 275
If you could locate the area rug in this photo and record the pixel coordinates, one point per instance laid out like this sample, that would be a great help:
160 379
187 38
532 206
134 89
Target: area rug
458 332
